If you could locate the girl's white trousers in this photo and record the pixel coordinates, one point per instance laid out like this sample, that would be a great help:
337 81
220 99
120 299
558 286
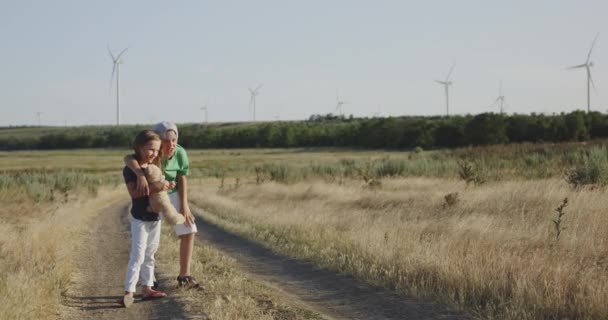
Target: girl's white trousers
145 237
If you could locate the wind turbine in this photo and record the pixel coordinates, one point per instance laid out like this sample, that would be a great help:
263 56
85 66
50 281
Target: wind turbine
446 84
500 100
117 61
38 115
587 65
204 108
254 93
339 103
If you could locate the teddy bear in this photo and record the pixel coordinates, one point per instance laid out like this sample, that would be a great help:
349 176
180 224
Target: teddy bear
159 202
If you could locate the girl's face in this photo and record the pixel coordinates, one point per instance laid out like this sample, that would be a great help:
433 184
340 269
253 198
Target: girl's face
149 151
169 145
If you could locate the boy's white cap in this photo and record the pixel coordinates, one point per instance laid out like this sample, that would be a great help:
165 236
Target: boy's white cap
162 127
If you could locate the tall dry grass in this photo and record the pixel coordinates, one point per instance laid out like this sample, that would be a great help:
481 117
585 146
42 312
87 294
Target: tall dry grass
492 252
37 245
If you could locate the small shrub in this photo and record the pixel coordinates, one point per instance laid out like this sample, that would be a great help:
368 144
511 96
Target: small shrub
593 170
451 199
470 172
389 168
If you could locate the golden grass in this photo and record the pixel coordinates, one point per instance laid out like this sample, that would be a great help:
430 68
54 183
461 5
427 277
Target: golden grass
37 243
229 294
494 253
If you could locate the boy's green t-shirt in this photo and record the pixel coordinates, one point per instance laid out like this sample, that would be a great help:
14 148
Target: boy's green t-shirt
177 165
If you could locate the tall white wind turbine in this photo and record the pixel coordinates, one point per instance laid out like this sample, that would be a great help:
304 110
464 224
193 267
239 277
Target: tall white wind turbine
500 100
587 65
446 85
204 108
339 104
116 61
254 93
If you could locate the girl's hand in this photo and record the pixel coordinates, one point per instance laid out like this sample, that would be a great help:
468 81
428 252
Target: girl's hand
142 186
188 215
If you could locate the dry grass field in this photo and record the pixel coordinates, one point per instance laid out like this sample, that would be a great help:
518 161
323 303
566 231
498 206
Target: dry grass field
403 220
493 251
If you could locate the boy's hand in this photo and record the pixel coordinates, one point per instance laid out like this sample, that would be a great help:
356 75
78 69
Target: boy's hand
171 185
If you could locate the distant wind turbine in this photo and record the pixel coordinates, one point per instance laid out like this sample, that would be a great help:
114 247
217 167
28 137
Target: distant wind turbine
446 84
587 65
500 100
116 61
38 115
204 108
339 104
254 93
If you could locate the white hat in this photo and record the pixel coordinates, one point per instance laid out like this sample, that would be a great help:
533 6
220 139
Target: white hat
162 127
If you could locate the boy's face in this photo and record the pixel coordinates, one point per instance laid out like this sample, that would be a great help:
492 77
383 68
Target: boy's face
169 143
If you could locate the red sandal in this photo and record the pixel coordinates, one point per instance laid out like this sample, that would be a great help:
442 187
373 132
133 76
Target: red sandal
153 295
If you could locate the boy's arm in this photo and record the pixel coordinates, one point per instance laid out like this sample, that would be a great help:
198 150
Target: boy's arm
142 183
182 191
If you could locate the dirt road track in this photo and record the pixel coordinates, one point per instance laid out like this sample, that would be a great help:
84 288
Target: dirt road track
102 258
100 272
333 295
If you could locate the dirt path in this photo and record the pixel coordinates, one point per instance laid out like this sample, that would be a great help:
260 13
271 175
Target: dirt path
332 295
100 274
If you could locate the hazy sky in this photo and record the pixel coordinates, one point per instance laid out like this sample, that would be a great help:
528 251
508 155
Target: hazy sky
382 56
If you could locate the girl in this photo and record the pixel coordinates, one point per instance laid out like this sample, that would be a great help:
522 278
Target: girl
175 167
145 226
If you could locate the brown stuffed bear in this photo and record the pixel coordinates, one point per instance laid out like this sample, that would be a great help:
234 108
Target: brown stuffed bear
159 202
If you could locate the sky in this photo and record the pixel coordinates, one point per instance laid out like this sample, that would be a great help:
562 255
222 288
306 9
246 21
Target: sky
381 57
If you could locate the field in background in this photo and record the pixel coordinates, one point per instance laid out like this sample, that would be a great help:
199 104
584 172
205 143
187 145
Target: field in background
472 227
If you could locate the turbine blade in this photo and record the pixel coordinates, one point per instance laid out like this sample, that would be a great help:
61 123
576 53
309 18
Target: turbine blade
120 54
592 45
591 80
450 73
441 82
578 66
258 87
112 76
111 55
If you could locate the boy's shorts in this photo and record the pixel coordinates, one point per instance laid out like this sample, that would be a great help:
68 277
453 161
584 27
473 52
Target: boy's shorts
181 229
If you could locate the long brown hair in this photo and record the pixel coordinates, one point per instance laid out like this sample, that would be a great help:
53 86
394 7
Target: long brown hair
141 139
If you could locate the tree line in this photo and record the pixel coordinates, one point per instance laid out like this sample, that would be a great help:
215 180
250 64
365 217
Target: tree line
338 131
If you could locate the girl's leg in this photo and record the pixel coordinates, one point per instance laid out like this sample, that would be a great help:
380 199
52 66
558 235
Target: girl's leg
186 245
147 268
139 238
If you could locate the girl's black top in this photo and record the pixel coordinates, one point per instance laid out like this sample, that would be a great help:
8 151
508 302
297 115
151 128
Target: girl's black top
139 209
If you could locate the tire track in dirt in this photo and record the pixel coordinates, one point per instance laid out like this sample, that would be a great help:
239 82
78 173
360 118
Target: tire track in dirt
333 295
100 269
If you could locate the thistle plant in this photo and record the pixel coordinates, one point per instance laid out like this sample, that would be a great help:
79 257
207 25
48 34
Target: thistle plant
557 222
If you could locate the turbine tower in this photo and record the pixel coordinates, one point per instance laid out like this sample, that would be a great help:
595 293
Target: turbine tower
339 104
38 115
500 100
446 85
254 93
204 108
587 65
117 61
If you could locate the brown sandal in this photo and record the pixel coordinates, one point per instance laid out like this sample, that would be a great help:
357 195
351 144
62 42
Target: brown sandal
188 282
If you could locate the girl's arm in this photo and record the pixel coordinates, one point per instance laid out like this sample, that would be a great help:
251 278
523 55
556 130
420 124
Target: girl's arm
182 191
142 183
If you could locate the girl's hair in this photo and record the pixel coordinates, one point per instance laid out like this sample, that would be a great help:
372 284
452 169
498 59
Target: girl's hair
141 139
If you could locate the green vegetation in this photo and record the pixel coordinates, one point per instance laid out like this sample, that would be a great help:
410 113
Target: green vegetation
332 131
